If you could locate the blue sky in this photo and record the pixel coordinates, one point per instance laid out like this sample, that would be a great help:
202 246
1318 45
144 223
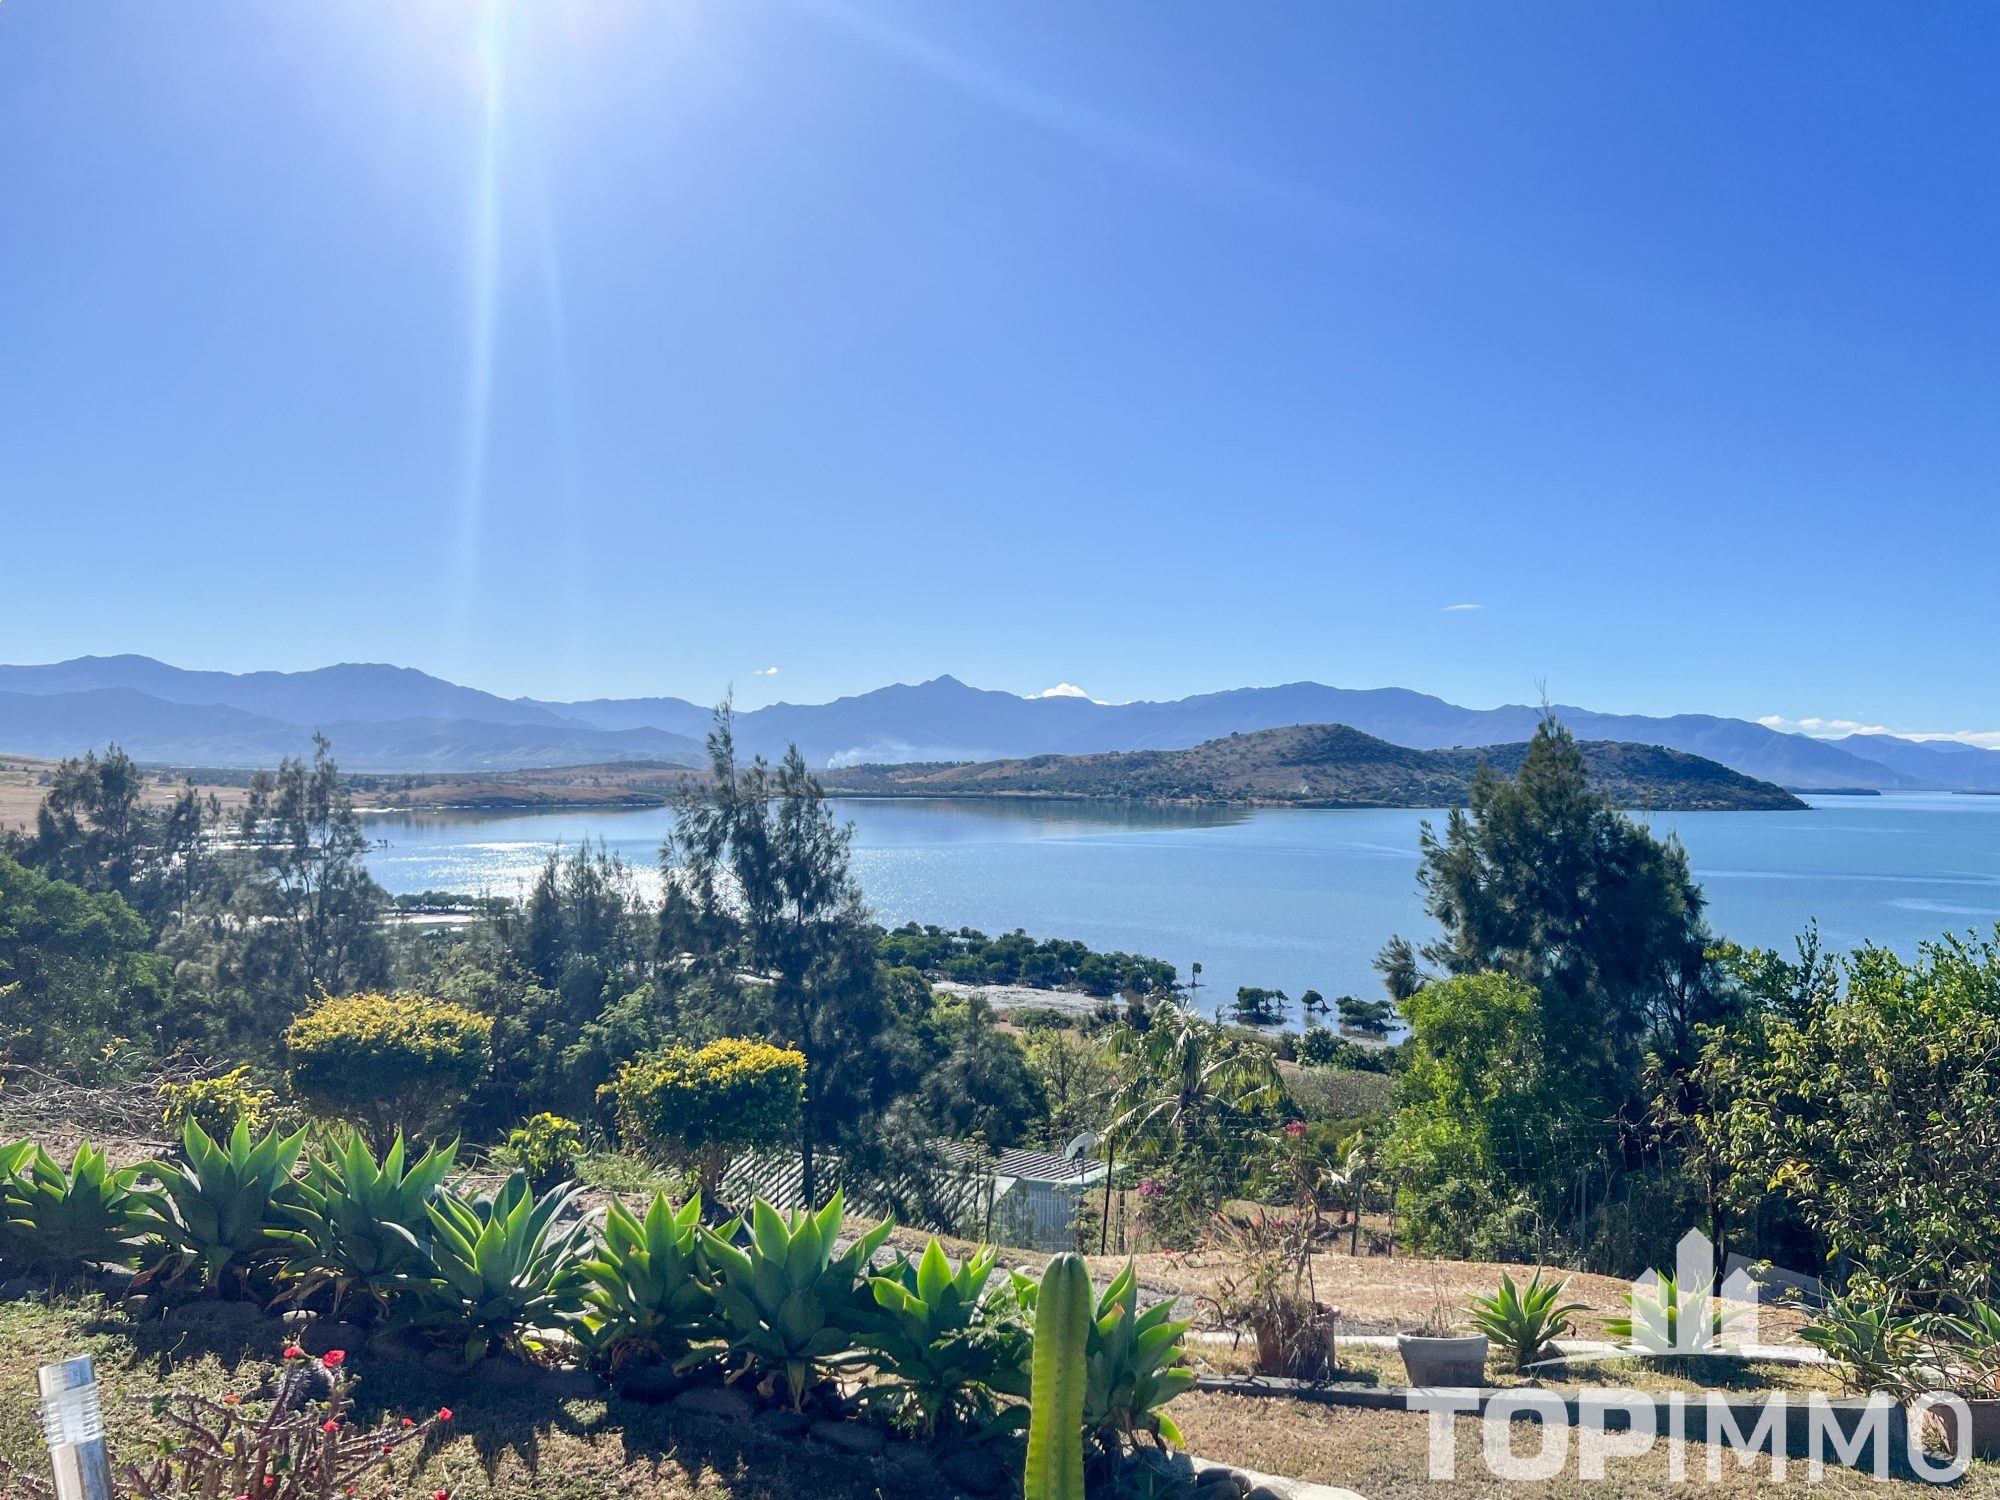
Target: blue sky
1155 347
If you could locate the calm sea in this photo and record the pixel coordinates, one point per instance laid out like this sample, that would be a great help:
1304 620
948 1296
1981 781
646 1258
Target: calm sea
1293 899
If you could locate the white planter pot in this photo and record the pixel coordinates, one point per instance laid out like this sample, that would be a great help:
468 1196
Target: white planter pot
1448 1361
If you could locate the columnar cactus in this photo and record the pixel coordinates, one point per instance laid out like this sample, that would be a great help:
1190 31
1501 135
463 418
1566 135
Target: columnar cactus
1055 1421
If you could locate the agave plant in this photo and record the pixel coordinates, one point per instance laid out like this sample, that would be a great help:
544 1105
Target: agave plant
1967 1346
1654 1323
1525 1321
1135 1364
1875 1347
59 1219
506 1271
790 1306
949 1342
219 1209
363 1226
650 1295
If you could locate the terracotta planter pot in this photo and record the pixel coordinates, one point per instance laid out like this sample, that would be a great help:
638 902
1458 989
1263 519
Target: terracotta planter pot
1984 1422
1446 1361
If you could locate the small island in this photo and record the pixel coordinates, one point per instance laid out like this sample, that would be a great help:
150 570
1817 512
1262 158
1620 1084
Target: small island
1319 765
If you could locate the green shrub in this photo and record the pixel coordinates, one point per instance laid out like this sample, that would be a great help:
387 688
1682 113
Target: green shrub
1136 1365
216 1104
650 1297
949 1344
396 1064
506 1270
1525 1322
789 1306
548 1148
362 1226
220 1208
61 1220
733 1095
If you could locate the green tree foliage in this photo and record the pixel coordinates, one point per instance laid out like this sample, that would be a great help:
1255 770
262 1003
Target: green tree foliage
971 957
567 979
1477 1091
705 1106
979 1082
1192 1103
1874 1114
324 908
757 877
1368 1018
394 1064
1259 1007
75 971
95 829
1076 1077
1543 881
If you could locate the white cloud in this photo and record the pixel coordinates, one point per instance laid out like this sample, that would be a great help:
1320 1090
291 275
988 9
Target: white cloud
1061 690
1819 729
1452 609
765 672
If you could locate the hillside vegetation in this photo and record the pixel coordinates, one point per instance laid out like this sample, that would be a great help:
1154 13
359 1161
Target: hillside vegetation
1319 765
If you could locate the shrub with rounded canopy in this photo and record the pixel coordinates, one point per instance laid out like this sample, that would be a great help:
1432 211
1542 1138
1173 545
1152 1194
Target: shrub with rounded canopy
391 1063
736 1094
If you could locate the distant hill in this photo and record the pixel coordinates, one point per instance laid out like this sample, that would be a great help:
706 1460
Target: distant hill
1940 762
157 732
1317 765
424 723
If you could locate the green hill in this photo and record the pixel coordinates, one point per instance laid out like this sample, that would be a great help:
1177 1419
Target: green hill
1317 765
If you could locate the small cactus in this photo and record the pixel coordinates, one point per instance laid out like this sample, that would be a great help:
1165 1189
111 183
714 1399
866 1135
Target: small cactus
1055 1402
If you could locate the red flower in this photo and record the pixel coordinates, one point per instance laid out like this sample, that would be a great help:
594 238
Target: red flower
408 1423
231 1399
440 1495
333 1359
293 1351
1296 1129
444 1413
329 1425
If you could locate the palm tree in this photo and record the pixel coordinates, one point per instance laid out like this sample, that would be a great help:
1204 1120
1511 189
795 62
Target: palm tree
1184 1077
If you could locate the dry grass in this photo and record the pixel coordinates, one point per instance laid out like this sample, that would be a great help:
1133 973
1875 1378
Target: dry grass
1379 1293
23 784
1385 1456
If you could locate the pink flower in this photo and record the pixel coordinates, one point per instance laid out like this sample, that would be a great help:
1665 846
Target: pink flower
440 1495
444 1414
1296 1129
329 1425
333 1359
408 1423
1149 1189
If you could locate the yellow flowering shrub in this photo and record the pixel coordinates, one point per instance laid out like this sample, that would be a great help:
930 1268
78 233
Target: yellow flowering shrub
216 1104
547 1148
705 1106
388 1062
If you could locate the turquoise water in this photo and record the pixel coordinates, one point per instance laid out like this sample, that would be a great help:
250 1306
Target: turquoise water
1294 899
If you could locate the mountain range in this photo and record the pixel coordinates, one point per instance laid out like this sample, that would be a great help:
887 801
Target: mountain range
387 718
